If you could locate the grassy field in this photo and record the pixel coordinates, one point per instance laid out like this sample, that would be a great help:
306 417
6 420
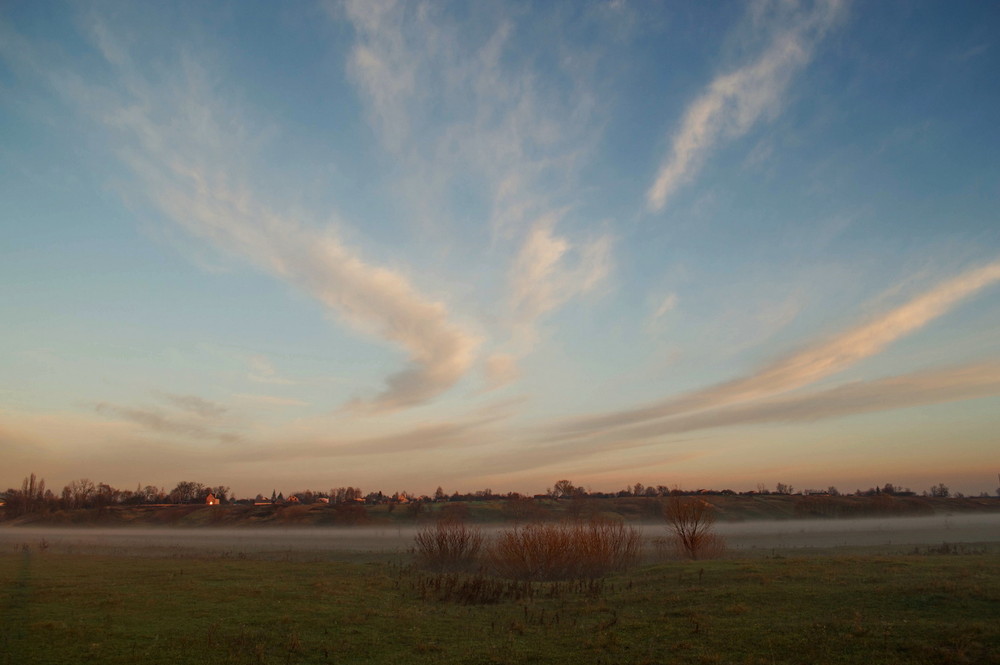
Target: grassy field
917 608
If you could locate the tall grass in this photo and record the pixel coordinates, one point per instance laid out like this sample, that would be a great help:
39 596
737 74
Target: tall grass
564 551
448 546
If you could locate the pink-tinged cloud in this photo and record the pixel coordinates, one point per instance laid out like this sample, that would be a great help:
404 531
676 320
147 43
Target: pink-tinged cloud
813 363
935 386
181 143
734 102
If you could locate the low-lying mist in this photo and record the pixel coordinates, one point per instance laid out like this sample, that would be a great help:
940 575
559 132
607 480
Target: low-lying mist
750 535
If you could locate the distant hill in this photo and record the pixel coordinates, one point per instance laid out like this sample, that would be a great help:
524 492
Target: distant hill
729 508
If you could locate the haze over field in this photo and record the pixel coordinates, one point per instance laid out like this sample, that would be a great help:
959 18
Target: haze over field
403 245
763 534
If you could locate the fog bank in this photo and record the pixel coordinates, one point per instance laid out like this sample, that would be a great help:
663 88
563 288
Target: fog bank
749 535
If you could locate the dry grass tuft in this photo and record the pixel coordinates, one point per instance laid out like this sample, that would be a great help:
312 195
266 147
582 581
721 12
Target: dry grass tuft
564 551
448 546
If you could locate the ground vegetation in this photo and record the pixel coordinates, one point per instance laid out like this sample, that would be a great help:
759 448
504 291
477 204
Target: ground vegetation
928 607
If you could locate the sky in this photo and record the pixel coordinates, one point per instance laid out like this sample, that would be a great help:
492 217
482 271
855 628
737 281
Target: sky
403 245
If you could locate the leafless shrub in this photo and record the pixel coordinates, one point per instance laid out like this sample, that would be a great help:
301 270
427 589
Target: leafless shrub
691 522
564 551
448 545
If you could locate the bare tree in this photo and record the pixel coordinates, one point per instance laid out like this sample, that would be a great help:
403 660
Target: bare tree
940 491
186 491
691 521
563 489
29 498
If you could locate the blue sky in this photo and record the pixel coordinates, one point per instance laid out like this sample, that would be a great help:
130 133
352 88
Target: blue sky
403 245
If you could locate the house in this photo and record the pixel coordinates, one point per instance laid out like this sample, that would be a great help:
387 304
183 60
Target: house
211 500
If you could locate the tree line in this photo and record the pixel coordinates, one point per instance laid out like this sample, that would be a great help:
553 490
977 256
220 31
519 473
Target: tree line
34 496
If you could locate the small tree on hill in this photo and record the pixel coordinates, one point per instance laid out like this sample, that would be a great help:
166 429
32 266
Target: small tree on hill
940 491
563 489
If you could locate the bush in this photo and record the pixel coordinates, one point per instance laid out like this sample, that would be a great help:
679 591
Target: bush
691 522
562 551
448 545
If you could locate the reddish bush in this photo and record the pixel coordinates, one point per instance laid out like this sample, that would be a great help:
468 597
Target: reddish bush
691 521
448 545
564 551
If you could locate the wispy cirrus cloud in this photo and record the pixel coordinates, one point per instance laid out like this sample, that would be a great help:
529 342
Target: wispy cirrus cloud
479 111
461 106
417 439
809 365
666 305
263 371
549 270
196 405
188 148
935 386
374 300
157 420
737 100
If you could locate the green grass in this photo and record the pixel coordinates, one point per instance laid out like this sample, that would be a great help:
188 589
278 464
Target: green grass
60 608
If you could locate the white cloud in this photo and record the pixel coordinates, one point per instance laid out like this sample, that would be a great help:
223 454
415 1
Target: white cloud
480 114
813 363
197 405
372 299
381 65
549 271
734 102
454 104
156 420
915 389
188 149
934 386
866 340
668 304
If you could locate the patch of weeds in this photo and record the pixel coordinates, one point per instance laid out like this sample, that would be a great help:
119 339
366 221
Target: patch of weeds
427 647
248 647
